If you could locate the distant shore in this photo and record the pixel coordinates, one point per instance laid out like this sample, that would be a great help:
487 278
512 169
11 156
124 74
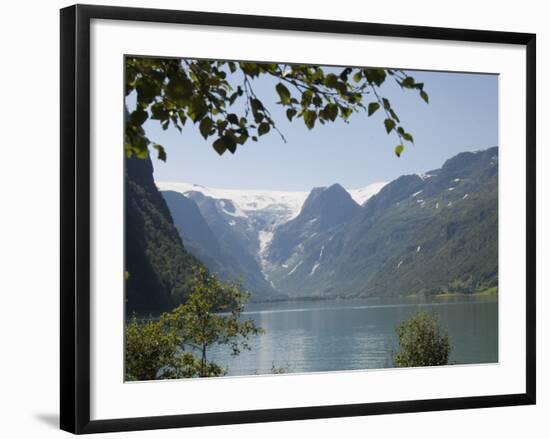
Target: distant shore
493 291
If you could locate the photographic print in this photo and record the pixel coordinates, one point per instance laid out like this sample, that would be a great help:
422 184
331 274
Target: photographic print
292 218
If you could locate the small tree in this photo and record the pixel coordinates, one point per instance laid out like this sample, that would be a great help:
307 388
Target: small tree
152 352
421 342
211 315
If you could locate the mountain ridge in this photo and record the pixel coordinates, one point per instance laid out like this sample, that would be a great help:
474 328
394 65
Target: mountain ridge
329 243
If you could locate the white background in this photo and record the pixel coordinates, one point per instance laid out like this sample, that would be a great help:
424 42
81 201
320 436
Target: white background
111 398
29 221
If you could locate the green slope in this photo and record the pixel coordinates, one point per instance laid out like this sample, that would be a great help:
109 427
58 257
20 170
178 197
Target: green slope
157 263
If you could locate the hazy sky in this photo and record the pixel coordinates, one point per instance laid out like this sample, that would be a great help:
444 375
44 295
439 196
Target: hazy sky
462 115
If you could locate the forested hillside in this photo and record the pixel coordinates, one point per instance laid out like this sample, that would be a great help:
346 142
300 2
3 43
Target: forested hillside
157 264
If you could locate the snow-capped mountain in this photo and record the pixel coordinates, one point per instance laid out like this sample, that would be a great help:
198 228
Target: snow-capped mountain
361 195
281 205
244 222
252 199
383 239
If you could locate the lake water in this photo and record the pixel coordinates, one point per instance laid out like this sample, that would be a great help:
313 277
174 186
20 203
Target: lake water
336 335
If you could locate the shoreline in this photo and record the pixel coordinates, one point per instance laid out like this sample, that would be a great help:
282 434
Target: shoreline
489 292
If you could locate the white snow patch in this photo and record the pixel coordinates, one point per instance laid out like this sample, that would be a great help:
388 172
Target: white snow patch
424 176
449 204
456 180
416 193
437 205
465 196
264 237
321 252
294 269
232 223
289 203
400 263
361 195
420 201
285 266
418 249
237 214
314 269
451 189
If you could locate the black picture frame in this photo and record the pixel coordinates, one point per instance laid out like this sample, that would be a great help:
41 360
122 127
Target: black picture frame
75 217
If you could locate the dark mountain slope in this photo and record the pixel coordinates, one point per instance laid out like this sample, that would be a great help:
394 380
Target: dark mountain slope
224 241
324 209
193 229
156 261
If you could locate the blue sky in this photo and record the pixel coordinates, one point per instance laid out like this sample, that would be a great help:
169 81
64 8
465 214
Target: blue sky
462 115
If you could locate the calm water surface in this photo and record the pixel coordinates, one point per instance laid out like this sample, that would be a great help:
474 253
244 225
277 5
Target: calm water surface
317 336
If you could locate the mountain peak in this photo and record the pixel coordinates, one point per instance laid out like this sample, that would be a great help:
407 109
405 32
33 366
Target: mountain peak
332 205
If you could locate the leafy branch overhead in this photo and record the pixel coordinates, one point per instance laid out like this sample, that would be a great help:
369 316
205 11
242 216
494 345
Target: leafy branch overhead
179 91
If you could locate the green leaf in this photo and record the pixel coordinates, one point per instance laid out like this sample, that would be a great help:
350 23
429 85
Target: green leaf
161 153
205 127
398 150
408 137
309 118
306 98
219 146
386 103
393 115
232 118
373 106
283 92
346 112
389 124
256 105
331 111
345 73
357 76
230 142
408 82
250 68
197 108
290 113
139 116
263 128
376 76
159 112
424 96
331 80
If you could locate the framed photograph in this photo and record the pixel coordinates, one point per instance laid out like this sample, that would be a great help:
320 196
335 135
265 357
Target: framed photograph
272 218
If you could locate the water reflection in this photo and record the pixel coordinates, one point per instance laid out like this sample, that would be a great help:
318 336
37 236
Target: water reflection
317 336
